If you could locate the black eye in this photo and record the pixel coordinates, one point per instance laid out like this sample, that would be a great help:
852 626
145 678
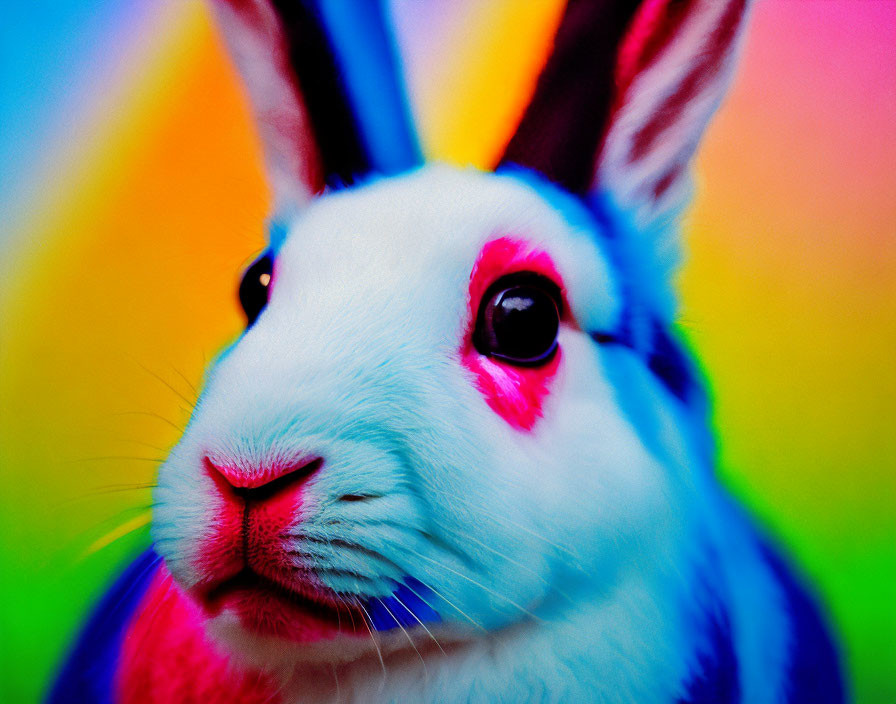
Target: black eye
518 320
255 286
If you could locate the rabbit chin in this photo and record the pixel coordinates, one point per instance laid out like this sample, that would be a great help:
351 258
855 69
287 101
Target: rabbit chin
274 653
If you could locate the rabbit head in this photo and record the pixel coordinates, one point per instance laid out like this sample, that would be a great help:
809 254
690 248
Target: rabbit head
457 406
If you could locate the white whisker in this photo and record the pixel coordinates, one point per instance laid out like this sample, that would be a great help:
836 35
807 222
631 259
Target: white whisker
477 584
407 635
446 600
521 566
423 625
336 679
379 652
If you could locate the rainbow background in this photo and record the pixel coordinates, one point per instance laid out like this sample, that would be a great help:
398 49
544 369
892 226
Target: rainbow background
131 195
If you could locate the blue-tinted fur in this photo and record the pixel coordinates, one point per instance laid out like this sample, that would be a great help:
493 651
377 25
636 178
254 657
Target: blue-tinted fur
89 671
813 673
367 58
407 607
716 679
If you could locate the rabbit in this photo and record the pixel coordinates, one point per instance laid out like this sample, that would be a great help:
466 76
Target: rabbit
459 453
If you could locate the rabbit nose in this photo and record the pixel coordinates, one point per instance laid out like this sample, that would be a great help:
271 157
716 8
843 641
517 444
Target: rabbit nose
254 510
262 483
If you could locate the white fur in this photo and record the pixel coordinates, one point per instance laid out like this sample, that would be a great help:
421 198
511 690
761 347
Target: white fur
563 560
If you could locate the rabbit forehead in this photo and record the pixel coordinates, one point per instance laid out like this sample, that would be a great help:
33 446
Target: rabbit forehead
424 231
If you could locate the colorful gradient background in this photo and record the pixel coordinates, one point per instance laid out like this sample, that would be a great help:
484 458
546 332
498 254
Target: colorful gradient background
132 195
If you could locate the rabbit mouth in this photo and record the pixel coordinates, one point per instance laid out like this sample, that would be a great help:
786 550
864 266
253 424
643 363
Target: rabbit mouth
269 608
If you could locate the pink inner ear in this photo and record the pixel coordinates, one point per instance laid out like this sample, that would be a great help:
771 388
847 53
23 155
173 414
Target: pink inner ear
653 27
514 393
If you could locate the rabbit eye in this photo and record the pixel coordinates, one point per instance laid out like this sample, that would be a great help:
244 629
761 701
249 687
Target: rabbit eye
255 286
518 320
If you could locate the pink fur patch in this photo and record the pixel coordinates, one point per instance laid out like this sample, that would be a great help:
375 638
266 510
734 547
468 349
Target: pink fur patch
279 597
166 657
221 550
514 393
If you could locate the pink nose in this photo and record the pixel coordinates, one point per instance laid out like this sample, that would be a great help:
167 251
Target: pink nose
255 508
263 482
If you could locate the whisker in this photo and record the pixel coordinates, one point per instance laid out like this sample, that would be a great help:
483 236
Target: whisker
431 588
187 382
146 570
178 428
506 521
102 491
120 531
379 652
117 458
338 617
477 584
167 585
344 573
417 619
351 615
406 635
117 489
338 542
348 574
521 566
446 600
536 535
73 544
274 696
369 522
140 442
336 678
177 393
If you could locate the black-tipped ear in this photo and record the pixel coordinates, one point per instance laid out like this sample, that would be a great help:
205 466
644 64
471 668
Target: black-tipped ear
623 100
326 91
323 90
562 127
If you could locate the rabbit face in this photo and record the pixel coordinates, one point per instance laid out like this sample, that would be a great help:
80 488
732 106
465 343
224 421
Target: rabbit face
356 463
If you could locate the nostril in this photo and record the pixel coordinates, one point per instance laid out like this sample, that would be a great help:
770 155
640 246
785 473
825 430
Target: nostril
262 482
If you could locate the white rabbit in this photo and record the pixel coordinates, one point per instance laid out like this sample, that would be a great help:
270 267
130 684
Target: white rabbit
458 454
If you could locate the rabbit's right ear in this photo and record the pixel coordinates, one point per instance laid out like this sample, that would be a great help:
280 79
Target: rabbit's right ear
325 89
620 106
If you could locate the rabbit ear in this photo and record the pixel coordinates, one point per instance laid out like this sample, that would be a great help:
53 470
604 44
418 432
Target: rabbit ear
624 98
325 89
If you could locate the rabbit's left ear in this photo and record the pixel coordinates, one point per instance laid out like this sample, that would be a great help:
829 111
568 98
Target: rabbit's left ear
624 98
326 89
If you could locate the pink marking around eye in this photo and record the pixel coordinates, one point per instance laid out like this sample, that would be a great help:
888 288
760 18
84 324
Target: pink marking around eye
514 393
